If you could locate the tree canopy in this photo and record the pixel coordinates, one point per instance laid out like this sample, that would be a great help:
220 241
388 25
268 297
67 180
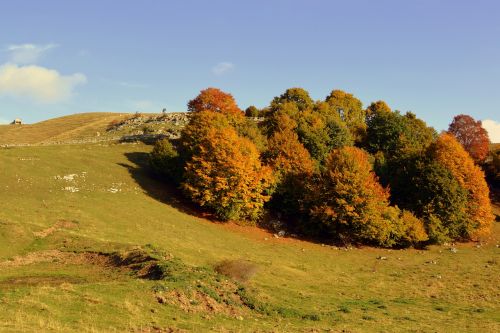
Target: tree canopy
471 135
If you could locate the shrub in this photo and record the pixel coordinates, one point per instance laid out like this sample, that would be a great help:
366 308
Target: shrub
225 175
407 229
166 161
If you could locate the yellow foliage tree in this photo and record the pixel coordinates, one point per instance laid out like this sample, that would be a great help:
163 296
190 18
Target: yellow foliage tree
450 153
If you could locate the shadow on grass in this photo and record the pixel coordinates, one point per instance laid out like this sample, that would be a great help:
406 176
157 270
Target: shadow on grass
161 190
157 187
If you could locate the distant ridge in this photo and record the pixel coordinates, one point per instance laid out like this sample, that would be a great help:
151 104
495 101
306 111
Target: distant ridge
91 127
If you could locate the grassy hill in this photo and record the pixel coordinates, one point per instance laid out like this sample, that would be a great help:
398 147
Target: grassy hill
69 127
86 127
91 242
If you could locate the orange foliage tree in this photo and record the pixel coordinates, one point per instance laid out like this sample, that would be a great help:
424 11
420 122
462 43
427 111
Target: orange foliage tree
213 99
292 165
285 152
225 175
450 153
471 135
350 203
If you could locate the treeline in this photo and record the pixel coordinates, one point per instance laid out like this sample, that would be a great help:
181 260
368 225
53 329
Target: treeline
332 169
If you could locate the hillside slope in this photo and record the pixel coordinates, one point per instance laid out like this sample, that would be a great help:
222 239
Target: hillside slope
90 127
64 208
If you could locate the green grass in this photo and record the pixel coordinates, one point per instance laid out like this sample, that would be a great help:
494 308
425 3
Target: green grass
299 285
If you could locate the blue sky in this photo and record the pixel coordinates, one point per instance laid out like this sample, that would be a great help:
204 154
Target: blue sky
435 58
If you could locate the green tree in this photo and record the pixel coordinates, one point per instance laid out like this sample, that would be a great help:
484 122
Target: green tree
252 111
437 197
298 96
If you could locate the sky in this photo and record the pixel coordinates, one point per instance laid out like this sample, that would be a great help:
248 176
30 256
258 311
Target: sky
435 58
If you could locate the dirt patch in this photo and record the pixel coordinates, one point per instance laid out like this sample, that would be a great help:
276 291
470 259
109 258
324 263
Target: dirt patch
142 264
197 301
62 224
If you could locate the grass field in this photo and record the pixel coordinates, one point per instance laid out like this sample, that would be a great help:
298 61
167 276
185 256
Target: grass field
65 208
77 126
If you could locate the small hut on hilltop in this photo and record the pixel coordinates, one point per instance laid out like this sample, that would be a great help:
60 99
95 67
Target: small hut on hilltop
17 121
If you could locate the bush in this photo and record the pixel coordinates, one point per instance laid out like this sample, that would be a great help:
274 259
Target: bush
166 161
407 230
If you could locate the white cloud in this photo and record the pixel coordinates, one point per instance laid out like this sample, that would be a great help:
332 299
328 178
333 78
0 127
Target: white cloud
27 53
38 83
493 129
222 68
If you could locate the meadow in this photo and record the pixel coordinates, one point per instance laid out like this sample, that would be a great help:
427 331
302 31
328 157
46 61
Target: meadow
68 211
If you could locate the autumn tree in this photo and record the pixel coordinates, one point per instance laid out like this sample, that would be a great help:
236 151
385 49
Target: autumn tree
297 96
213 99
347 200
451 154
471 135
376 108
350 110
225 175
292 166
319 128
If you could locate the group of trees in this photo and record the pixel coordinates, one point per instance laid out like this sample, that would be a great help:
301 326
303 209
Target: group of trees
331 168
